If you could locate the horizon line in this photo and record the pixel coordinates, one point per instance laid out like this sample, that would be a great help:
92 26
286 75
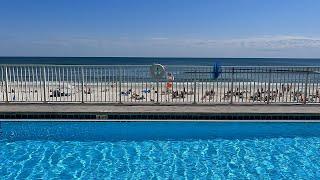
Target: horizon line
177 57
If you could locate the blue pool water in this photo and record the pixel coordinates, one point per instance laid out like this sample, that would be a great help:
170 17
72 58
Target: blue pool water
174 150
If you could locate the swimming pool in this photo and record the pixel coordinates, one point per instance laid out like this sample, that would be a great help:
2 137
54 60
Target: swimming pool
163 150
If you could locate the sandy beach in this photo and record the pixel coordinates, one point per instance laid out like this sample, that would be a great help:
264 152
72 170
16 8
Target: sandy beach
149 92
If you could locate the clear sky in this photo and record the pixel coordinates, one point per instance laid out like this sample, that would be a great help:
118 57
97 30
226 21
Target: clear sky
165 28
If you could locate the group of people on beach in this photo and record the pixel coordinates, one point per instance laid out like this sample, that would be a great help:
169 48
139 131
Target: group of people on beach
286 92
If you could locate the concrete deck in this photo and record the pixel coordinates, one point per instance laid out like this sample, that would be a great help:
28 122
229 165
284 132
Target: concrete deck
187 109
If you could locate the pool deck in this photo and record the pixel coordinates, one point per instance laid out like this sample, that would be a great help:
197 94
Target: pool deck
160 112
101 108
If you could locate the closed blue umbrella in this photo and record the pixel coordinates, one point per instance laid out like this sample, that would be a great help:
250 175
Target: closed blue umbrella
216 70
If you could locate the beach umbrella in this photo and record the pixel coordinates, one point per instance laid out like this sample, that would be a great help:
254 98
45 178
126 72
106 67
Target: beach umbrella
216 71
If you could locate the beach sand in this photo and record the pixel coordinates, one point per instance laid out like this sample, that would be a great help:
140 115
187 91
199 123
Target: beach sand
146 92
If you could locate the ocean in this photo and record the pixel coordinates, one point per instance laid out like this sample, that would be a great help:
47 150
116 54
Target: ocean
165 61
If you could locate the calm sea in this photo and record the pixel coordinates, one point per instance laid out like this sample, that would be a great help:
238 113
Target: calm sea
165 61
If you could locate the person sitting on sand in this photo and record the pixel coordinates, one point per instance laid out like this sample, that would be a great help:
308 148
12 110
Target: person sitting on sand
182 94
87 90
175 94
140 97
134 95
208 93
259 93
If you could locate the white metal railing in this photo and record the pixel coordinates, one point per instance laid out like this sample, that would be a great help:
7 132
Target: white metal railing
129 84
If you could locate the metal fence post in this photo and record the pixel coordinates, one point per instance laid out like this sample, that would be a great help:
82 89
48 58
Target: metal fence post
195 90
306 87
232 79
6 84
157 91
269 81
44 85
120 81
82 85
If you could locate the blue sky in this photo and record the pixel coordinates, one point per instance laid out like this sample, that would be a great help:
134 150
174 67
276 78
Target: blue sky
162 28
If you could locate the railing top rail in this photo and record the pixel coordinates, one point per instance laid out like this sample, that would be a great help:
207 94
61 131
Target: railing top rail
70 65
242 66
172 66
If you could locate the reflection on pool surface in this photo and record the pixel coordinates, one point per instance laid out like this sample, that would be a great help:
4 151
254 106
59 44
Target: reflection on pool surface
240 155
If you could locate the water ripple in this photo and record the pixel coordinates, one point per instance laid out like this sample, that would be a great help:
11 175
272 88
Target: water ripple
289 158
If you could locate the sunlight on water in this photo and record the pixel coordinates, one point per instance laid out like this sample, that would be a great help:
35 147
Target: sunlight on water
269 158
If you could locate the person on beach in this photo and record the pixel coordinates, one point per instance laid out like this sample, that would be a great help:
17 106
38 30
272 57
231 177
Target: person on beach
170 79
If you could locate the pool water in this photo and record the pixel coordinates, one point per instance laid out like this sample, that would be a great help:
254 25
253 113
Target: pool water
244 154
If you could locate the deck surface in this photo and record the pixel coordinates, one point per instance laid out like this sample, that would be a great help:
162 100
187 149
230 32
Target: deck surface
188 109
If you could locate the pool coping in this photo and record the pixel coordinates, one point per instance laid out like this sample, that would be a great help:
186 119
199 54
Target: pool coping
202 113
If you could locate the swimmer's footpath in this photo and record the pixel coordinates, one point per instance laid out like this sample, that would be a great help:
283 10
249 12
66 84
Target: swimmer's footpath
160 112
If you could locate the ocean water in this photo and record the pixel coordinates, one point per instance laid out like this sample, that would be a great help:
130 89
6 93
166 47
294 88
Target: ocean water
159 150
165 61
